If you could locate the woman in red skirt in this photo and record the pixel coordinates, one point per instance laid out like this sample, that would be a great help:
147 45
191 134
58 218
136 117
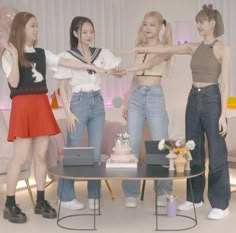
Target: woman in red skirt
31 120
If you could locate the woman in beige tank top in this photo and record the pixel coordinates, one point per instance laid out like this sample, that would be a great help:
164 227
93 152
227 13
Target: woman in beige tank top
206 110
145 99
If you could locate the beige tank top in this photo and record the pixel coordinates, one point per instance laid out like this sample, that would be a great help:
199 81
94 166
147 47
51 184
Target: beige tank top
156 70
204 64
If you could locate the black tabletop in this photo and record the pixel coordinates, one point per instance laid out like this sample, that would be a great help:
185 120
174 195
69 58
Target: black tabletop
100 172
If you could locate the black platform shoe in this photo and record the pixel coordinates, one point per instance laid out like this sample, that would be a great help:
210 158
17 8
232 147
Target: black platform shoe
44 208
14 214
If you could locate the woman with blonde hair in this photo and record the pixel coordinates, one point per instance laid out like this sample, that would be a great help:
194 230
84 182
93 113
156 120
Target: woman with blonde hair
145 100
206 110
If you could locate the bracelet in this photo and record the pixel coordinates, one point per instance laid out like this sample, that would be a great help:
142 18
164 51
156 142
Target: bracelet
90 69
145 50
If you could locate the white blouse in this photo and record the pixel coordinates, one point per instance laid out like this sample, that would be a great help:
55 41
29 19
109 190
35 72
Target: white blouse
52 60
81 79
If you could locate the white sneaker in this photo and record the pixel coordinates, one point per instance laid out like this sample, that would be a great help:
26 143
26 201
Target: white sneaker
130 202
93 204
162 200
72 205
216 213
187 205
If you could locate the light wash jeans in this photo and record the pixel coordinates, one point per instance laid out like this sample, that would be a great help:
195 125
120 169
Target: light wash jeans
89 109
146 103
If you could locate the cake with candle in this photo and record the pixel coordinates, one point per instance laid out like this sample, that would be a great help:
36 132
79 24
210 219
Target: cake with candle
122 154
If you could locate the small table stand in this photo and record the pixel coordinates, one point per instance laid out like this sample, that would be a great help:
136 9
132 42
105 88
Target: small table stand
143 172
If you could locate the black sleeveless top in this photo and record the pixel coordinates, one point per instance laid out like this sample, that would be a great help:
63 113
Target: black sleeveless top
32 79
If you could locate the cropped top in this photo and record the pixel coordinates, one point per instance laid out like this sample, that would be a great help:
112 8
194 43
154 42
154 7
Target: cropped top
204 64
156 70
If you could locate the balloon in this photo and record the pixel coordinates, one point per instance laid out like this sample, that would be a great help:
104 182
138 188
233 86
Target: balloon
117 102
231 104
6 16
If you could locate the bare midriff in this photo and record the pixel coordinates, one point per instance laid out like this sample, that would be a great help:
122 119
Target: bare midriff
149 80
196 84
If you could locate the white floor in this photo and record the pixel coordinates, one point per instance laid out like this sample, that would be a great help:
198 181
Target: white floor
115 217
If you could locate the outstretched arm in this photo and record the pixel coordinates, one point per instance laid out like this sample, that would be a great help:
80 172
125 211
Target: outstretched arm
187 48
71 63
156 60
143 66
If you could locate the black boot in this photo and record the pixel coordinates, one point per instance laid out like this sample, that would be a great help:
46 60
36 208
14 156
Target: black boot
44 208
14 214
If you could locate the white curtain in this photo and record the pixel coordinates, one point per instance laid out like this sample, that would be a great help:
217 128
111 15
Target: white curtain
228 9
116 23
54 18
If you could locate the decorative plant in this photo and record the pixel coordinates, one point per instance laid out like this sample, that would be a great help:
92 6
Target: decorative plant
178 147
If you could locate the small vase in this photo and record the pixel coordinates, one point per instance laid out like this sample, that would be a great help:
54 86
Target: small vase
187 165
180 164
171 158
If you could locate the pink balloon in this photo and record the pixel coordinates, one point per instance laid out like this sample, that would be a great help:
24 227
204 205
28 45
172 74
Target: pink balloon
6 16
9 15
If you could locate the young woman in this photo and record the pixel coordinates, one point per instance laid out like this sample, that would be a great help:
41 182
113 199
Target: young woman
86 106
31 120
206 110
145 99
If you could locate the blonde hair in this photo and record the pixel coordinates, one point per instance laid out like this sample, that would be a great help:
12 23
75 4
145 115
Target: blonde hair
166 38
208 13
167 35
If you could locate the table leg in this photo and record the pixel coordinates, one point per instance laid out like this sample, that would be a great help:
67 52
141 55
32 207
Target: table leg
156 211
59 219
143 190
59 206
194 209
194 219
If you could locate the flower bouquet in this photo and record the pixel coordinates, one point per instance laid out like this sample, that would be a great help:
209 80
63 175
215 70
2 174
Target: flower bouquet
179 151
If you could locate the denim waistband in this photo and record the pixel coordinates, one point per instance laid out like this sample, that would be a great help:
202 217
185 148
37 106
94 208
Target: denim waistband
148 87
87 93
209 87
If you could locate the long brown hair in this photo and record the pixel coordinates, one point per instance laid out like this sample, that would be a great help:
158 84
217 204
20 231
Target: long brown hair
17 35
208 13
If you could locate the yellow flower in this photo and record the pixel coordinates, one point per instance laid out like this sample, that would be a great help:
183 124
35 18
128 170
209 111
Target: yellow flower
178 147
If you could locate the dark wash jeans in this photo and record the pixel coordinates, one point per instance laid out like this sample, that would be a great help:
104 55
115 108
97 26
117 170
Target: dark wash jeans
202 116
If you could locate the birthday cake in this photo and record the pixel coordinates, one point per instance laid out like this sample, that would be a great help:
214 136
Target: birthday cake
122 155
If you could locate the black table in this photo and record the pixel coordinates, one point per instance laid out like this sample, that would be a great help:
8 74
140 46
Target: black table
143 172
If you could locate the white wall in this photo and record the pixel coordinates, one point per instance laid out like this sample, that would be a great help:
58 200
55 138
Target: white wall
116 23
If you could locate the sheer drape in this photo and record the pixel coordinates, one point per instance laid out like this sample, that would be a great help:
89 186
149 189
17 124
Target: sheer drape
116 23
54 18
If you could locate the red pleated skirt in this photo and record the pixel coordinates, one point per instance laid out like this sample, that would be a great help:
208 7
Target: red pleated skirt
31 116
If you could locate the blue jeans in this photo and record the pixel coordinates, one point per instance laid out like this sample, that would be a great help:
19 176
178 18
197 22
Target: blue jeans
202 117
146 103
89 109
